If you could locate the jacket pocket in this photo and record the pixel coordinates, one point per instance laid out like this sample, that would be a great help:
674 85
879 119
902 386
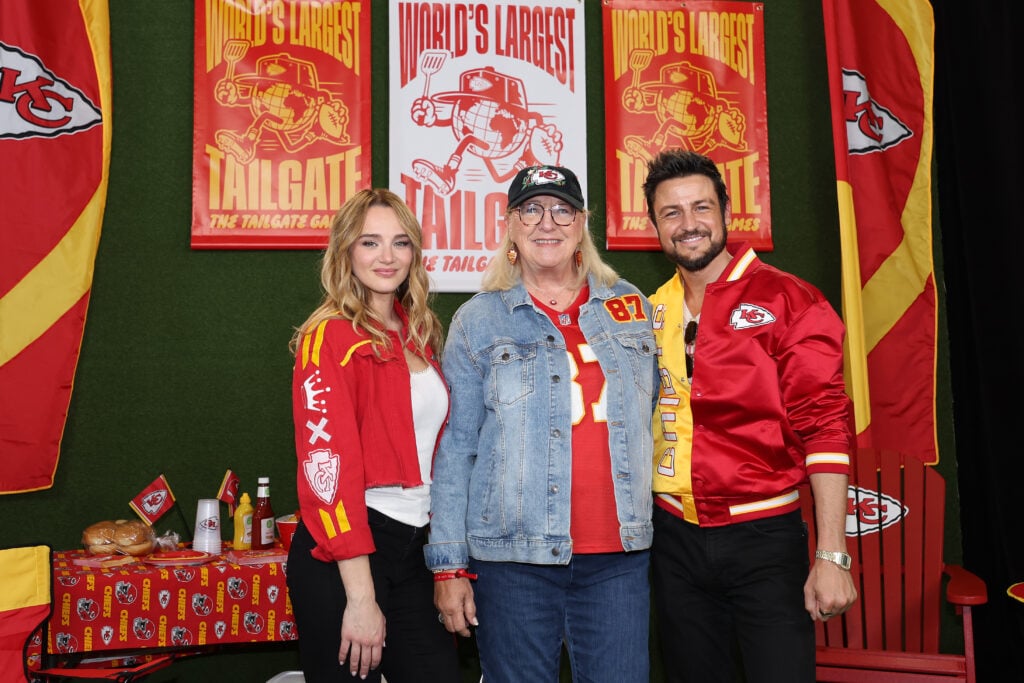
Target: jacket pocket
640 350
513 370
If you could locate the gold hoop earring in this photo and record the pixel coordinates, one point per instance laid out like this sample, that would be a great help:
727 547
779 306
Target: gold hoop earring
512 255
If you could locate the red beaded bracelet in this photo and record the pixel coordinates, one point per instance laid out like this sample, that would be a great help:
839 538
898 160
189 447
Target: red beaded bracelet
447 574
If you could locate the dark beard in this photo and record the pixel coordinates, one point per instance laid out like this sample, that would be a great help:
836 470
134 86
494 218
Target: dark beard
695 265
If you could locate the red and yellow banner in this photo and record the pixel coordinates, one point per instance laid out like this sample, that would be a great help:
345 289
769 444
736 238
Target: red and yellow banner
687 75
880 62
54 158
282 120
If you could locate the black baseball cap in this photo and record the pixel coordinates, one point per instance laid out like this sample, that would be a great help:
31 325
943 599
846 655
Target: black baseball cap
556 181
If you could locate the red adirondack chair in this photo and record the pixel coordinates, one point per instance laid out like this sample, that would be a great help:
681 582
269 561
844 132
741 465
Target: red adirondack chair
894 526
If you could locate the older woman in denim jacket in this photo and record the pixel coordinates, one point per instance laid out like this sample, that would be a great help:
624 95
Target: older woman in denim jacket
541 496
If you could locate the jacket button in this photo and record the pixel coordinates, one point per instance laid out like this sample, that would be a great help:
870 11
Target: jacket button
555 433
504 356
554 489
555 551
556 379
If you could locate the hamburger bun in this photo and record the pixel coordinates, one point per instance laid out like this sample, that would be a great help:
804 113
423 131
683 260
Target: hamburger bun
126 537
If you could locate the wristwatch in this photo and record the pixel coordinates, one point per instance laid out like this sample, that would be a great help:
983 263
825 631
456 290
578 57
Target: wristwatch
842 559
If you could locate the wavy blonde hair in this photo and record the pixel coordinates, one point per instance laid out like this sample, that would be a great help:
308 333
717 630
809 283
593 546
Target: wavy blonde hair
346 297
501 275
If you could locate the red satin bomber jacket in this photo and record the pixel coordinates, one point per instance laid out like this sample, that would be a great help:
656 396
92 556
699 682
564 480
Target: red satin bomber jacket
767 405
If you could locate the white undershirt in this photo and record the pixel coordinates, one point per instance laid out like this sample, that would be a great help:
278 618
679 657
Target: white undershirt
429 408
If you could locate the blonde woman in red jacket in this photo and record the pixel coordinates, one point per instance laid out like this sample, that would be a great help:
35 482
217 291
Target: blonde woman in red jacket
369 404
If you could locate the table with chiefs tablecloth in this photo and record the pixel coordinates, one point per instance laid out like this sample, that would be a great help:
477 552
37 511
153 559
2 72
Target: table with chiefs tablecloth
142 607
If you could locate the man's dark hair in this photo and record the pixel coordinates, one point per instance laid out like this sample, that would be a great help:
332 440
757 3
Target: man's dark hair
679 163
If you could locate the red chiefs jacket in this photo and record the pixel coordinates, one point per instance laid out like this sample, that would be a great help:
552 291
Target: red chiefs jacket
353 431
767 404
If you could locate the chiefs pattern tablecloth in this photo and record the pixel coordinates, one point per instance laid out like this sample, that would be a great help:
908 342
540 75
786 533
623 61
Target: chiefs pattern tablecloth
140 606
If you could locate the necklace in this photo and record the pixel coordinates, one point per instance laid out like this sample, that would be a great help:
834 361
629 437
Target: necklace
553 299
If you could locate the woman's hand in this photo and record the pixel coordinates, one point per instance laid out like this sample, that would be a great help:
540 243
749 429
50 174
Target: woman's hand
454 601
362 625
362 636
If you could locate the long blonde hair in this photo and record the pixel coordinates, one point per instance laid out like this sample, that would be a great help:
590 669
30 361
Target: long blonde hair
501 275
346 297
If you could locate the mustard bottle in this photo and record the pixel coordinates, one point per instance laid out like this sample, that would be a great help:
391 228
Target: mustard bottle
243 524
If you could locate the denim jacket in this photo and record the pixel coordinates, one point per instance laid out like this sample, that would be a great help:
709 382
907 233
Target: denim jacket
502 475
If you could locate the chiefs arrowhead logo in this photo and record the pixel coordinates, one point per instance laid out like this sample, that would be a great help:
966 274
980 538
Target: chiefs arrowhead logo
870 127
869 511
749 315
153 502
36 103
322 469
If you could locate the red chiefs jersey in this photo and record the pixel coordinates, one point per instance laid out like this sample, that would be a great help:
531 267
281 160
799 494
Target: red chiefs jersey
594 524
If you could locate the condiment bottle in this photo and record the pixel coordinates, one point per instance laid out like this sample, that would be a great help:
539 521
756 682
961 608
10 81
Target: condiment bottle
243 524
263 517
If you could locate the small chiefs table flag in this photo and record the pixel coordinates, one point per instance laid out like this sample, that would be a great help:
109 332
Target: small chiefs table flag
55 134
228 492
154 501
880 65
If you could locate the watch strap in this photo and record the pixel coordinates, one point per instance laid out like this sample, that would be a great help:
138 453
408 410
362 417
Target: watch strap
840 558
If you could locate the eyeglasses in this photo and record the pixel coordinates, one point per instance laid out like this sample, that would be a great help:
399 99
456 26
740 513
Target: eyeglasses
689 337
532 214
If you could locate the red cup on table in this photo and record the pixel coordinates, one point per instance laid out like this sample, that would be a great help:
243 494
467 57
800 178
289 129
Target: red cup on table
286 526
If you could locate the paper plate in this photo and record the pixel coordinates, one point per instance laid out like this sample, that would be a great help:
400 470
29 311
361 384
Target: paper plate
265 556
181 558
104 561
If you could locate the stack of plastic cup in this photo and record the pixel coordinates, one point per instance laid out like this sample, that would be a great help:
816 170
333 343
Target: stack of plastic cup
207 536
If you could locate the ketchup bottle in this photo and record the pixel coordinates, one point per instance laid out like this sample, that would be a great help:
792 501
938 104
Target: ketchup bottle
263 517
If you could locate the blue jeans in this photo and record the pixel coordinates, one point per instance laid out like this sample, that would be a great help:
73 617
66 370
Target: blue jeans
598 605
731 598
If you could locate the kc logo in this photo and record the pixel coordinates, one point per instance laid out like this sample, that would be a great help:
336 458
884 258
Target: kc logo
749 315
869 512
870 127
35 103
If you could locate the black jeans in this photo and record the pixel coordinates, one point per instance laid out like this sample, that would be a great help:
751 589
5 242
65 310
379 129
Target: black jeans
418 648
722 594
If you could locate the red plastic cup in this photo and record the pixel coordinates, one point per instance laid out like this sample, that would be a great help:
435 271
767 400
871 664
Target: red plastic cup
286 526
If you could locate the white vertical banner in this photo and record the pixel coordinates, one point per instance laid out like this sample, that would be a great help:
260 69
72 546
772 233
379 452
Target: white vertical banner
479 91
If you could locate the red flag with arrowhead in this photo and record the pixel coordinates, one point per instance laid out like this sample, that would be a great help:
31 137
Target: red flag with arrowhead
228 492
154 501
55 135
880 61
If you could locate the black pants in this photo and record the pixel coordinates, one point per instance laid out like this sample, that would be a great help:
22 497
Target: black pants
730 597
418 648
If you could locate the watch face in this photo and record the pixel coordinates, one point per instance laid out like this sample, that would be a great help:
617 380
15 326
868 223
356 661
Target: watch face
842 559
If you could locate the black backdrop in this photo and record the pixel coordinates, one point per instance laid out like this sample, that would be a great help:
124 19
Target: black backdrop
979 153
